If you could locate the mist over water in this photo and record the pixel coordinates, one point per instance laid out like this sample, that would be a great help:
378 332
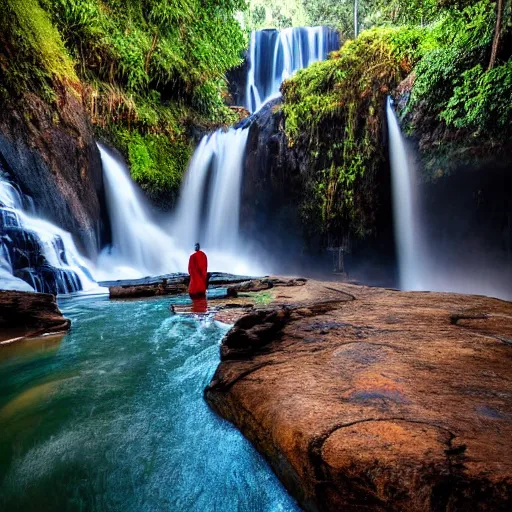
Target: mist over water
208 210
434 254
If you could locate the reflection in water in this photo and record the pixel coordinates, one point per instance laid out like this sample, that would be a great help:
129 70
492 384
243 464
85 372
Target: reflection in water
199 304
115 420
29 348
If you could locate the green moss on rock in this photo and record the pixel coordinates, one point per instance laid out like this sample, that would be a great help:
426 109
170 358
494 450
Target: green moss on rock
334 111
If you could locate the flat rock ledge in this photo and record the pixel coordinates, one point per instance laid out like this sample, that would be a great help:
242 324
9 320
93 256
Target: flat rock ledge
371 399
168 284
27 314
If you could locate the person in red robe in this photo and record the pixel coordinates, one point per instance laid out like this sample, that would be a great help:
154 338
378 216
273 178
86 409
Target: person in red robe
198 270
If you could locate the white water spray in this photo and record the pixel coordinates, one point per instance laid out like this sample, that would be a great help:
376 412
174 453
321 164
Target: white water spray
43 253
209 207
407 232
139 246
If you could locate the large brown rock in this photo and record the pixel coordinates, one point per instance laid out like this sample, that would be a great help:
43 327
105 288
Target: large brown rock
372 399
25 314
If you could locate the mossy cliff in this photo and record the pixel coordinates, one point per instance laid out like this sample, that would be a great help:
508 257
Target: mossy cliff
451 100
46 139
146 74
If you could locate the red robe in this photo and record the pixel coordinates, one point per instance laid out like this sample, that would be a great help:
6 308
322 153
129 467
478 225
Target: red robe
198 268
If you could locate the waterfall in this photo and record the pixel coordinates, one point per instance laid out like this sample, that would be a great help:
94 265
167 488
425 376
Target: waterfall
209 207
429 262
36 254
139 246
274 56
224 205
405 207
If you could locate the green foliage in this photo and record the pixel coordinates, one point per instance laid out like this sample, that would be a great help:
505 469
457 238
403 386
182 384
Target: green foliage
42 38
482 101
206 100
339 14
146 69
334 108
275 14
156 162
33 53
451 82
143 44
260 298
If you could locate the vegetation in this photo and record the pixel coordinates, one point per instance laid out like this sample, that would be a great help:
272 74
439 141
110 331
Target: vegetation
146 70
453 81
334 110
339 14
276 14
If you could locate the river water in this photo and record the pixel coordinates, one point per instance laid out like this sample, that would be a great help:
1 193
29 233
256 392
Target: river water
96 421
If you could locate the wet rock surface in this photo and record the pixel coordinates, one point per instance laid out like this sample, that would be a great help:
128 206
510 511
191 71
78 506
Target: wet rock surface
372 399
171 284
51 153
26 314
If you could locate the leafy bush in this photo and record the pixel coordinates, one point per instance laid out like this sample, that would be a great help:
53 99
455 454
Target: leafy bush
482 101
450 81
156 162
146 69
33 51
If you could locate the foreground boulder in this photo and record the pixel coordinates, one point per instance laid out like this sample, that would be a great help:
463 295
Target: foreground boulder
25 314
372 399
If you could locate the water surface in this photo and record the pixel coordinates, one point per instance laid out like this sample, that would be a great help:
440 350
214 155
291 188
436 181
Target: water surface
112 417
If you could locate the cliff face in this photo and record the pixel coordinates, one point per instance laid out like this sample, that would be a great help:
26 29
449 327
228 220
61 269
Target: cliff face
272 184
50 152
280 205
464 178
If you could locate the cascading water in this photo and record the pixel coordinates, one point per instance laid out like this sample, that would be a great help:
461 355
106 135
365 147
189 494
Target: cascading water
425 262
209 207
224 205
139 246
45 256
407 232
274 56
35 254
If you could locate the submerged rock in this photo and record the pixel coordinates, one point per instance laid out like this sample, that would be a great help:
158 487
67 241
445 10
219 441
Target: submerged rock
372 399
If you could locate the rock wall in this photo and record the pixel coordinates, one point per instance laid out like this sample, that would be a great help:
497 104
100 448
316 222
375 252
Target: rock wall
277 202
50 152
34 311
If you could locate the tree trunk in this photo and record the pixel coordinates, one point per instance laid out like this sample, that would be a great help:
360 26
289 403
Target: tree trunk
497 32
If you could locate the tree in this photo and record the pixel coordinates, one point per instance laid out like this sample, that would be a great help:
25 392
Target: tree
355 18
497 33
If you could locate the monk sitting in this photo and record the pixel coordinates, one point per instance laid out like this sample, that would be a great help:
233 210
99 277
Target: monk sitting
198 270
